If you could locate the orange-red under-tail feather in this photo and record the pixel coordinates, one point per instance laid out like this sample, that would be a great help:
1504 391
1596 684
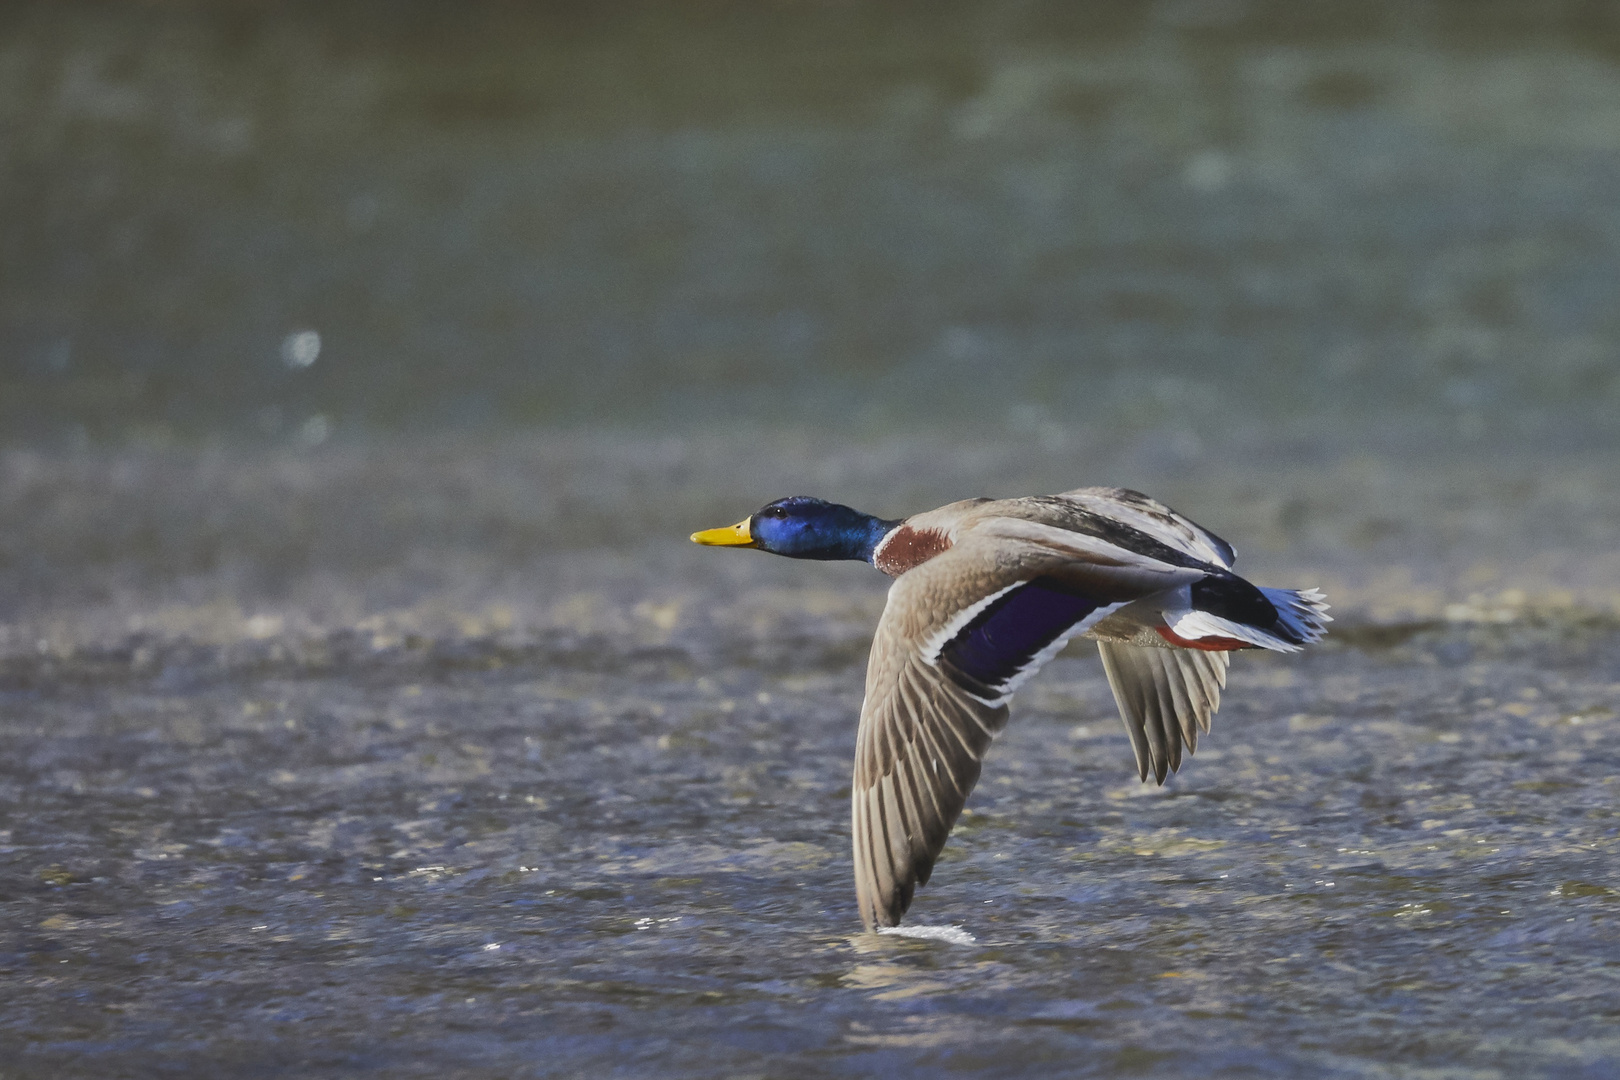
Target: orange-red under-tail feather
1207 644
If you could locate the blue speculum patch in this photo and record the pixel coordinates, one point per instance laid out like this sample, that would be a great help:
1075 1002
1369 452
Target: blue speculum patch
1005 637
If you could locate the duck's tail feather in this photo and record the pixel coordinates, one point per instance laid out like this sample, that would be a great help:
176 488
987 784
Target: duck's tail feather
1300 618
1301 612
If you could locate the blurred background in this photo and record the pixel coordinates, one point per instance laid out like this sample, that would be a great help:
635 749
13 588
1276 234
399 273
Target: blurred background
1339 278
226 219
357 347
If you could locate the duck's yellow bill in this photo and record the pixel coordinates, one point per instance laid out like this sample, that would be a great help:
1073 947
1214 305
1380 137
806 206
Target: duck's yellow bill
731 536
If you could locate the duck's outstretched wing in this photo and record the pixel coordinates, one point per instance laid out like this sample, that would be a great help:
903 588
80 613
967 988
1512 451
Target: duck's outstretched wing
1165 697
958 635
916 759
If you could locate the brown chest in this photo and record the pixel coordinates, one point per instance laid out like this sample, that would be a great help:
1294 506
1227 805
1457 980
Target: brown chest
907 547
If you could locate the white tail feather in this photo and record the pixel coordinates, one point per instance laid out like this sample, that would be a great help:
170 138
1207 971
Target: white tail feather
1201 624
1303 611
1303 614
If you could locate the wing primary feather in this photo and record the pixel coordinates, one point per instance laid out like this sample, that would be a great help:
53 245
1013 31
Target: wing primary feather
910 800
1192 684
1141 691
877 831
1124 697
1173 675
890 736
924 814
865 885
899 846
1126 682
877 844
1198 667
866 856
1165 697
866 754
1178 674
1169 726
892 852
940 773
899 827
1212 673
934 812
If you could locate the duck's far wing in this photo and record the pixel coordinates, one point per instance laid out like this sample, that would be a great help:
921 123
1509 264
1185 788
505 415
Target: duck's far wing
957 637
1165 697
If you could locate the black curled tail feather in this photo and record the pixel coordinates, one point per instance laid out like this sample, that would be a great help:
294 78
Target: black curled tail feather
1229 597
1293 617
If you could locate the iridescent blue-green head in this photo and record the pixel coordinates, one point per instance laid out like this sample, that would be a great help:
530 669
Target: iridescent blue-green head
802 527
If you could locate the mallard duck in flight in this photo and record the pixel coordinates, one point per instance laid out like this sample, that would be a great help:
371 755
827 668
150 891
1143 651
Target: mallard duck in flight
985 592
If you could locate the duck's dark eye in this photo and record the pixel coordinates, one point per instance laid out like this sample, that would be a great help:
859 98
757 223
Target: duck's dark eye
775 511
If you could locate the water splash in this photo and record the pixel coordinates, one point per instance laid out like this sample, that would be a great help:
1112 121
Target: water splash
951 935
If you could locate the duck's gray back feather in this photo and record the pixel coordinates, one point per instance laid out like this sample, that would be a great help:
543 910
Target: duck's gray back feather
1152 518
